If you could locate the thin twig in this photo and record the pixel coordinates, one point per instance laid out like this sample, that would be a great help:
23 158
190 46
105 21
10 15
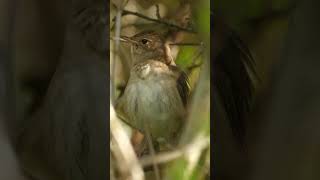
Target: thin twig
158 11
123 149
114 63
186 44
161 158
126 63
164 157
171 44
152 151
196 65
116 39
127 12
194 58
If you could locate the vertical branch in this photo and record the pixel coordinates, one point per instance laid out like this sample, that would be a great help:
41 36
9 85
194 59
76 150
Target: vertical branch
152 151
158 11
123 149
115 58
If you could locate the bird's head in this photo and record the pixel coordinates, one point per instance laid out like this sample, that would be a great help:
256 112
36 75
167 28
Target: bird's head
147 45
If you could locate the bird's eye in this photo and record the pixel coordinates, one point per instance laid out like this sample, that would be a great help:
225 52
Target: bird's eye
144 41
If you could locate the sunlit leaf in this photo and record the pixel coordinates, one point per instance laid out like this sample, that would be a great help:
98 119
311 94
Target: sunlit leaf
177 169
186 56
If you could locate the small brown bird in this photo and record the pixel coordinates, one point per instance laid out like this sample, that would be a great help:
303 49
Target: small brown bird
156 94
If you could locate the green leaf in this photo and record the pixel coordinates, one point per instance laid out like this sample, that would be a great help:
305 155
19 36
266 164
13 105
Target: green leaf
176 170
185 56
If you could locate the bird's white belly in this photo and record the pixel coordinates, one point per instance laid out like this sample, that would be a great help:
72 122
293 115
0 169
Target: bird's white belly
154 102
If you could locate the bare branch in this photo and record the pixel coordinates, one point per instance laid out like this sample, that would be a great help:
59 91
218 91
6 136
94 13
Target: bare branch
123 149
127 12
152 151
186 44
114 63
198 144
158 11
194 58
192 67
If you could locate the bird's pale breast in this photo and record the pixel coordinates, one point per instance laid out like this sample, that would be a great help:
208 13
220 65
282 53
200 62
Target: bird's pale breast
151 98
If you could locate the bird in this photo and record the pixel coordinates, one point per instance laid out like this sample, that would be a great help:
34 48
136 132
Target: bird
155 97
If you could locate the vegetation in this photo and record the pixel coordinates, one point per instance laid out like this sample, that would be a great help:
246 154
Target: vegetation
188 27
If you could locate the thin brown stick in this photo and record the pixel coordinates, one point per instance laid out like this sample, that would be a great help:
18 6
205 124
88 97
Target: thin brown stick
186 44
127 12
158 11
194 64
123 150
200 144
114 63
192 67
161 158
152 151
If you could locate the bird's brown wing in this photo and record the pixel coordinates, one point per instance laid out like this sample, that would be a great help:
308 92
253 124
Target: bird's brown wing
183 86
